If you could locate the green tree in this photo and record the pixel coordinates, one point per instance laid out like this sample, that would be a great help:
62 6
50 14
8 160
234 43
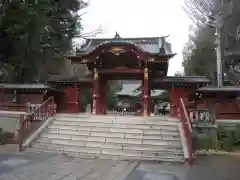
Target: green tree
199 53
201 58
41 33
112 98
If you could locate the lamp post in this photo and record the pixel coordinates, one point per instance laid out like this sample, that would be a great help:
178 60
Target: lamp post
216 22
219 57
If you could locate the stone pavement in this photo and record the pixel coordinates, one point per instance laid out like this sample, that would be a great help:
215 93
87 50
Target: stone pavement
59 167
8 148
203 168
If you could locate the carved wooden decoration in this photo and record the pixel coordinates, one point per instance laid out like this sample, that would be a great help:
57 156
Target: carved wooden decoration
95 74
117 50
151 60
145 73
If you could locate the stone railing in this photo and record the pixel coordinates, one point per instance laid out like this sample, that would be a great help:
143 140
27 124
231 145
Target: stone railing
33 120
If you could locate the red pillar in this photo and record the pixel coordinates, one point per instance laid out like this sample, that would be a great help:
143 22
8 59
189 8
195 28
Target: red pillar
145 93
96 107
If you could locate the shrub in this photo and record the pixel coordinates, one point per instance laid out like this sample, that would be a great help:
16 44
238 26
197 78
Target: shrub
225 138
6 137
205 138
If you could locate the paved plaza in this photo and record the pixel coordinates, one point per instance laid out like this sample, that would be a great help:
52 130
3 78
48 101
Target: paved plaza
203 168
50 166
58 167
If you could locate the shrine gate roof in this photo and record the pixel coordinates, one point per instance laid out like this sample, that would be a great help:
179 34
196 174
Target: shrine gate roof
149 44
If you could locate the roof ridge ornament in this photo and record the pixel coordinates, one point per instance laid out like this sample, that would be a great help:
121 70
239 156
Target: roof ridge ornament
117 36
162 48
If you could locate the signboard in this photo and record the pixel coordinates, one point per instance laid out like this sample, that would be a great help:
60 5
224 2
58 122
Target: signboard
206 117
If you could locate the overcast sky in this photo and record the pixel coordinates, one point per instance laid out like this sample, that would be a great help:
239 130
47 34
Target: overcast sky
141 18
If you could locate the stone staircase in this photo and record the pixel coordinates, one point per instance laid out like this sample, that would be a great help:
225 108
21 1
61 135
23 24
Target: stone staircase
112 137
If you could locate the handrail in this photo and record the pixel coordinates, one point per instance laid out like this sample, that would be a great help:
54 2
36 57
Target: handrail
186 115
45 102
33 120
187 128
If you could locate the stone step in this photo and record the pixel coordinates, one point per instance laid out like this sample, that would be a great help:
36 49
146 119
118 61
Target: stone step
114 130
110 117
119 125
137 120
111 139
109 145
111 157
57 132
107 127
69 130
99 152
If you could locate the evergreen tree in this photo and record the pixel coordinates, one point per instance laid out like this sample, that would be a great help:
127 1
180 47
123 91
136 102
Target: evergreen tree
36 34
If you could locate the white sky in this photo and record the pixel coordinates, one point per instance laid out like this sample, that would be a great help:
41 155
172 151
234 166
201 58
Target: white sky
141 18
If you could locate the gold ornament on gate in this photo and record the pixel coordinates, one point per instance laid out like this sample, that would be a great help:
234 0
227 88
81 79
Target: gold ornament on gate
116 50
151 60
146 73
95 75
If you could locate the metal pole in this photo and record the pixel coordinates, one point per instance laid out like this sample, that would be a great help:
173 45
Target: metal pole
219 57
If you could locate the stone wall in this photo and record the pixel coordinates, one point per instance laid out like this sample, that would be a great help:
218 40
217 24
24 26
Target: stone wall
8 121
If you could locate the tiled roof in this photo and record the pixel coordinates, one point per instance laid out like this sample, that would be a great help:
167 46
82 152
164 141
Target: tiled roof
182 79
157 92
130 88
148 44
25 86
235 51
65 78
222 89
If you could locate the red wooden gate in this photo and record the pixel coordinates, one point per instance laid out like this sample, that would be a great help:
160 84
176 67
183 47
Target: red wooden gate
72 100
